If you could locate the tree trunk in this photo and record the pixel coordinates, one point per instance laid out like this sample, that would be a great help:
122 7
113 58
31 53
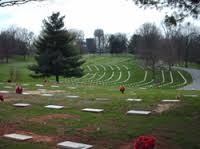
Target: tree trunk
153 70
6 59
57 78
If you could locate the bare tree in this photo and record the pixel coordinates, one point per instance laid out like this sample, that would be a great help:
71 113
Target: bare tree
5 3
180 9
148 48
99 36
78 35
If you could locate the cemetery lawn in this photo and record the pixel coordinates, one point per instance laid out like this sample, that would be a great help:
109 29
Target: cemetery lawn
176 128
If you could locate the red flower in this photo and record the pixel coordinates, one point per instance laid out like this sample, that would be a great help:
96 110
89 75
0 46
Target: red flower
145 142
1 97
19 90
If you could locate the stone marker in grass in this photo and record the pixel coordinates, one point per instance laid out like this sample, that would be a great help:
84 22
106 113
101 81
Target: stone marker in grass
130 99
168 100
47 95
4 92
139 112
190 95
54 107
93 110
72 88
26 93
39 85
18 137
25 84
21 104
73 145
72 96
8 87
54 86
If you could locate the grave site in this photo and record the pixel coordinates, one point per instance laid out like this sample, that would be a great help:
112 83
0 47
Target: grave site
92 112
99 74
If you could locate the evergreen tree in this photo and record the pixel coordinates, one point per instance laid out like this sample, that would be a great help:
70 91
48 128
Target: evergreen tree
56 54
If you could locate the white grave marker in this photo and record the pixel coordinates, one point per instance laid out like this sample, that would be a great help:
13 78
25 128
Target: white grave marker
190 95
72 88
47 95
5 92
21 105
26 93
93 110
54 107
166 100
54 86
8 87
139 112
19 137
73 145
39 85
72 96
130 99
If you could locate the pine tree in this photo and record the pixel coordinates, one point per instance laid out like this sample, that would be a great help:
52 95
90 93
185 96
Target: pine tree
56 54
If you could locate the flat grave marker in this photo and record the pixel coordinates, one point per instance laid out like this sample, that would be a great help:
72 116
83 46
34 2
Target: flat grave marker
73 145
26 93
139 112
8 87
93 110
54 86
18 137
47 95
132 99
21 104
72 96
168 100
25 84
39 85
54 107
5 92
190 95
72 88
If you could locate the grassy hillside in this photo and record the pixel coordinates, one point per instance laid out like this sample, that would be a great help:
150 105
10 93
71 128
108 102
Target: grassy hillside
175 128
106 70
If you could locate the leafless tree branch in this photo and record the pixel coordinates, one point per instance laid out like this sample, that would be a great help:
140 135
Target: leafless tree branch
5 3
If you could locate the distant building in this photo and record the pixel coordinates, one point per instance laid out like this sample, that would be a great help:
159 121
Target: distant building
91 45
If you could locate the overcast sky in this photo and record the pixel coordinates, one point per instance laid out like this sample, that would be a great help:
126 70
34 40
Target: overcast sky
112 16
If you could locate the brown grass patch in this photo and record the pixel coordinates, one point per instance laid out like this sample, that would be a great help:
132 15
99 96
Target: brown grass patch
45 118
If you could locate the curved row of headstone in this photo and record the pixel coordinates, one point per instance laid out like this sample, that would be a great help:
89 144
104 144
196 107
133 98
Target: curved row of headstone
107 74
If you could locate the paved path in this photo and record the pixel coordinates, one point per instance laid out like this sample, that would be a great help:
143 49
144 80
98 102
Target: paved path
195 73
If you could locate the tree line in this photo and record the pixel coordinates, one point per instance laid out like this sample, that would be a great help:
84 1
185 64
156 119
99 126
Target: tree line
15 41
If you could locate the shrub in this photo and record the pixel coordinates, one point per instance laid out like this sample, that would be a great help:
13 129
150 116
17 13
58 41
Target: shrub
122 89
145 142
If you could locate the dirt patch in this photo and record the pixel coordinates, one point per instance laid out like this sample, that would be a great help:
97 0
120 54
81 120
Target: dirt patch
46 118
162 107
7 128
87 130
41 138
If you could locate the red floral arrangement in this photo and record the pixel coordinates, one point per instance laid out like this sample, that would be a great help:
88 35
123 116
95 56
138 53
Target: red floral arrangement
1 97
122 89
145 142
19 90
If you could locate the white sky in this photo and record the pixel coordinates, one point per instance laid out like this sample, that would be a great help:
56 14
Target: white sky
112 16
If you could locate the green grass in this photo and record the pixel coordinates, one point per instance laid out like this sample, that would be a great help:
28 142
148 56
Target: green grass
178 127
